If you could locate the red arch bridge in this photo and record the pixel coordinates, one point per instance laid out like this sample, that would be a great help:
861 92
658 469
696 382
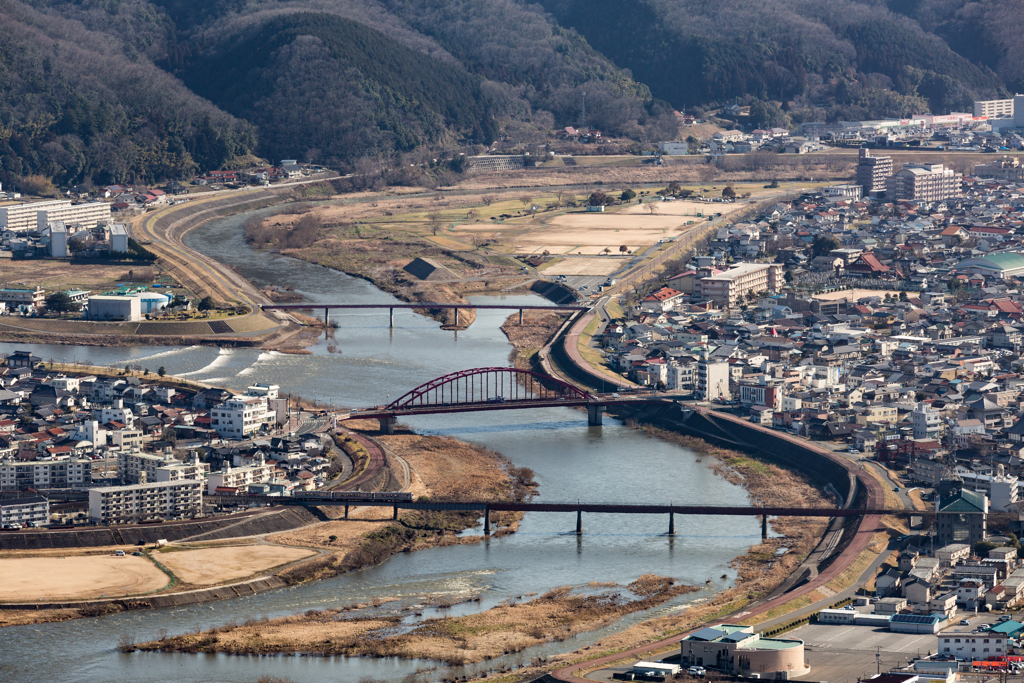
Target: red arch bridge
481 389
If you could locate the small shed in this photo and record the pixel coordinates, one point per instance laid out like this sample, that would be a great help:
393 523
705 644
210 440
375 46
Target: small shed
658 668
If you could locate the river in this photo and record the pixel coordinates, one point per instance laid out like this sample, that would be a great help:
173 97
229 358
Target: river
374 364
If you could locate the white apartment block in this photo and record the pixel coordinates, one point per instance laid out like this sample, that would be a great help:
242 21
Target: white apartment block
50 474
27 511
137 467
241 416
126 439
924 182
22 216
713 381
727 289
972 645
140 502
681 376
240 477
994 109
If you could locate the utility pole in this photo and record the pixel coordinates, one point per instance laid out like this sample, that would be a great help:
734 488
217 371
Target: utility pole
878 659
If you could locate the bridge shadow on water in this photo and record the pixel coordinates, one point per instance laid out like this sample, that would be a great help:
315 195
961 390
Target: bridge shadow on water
522 427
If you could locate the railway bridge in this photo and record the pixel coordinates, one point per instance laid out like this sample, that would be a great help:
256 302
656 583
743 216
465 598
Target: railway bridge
481 389
422 306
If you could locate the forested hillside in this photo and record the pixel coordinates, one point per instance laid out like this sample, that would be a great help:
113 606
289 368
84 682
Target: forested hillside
121 90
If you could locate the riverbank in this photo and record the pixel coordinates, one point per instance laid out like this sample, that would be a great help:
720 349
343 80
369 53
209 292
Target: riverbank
510 627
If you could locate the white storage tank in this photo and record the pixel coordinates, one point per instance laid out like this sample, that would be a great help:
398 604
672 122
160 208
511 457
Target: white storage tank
151 302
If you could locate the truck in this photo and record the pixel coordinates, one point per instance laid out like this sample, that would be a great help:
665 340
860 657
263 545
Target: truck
610 282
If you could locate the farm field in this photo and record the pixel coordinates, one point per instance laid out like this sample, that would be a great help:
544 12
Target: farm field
206 566
72 577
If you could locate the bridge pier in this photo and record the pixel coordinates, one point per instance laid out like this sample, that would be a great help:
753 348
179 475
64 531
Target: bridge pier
456 317
671 524
764 527
387 424
346 512
327 317
520 317
392 325
579 521
595 413
487 521
395 514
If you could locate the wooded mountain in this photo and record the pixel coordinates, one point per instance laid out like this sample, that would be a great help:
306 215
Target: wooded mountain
126 90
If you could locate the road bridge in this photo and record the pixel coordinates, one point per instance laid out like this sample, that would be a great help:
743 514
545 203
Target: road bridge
481 389
486 507
426 305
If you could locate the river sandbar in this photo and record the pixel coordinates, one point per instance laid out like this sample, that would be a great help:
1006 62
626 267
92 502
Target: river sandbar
78 577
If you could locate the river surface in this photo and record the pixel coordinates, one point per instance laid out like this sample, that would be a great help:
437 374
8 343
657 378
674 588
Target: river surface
375 364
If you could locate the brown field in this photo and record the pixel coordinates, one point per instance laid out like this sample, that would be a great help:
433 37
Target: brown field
77 577
855 294
585 266
683 208
53 274
591 233
217 565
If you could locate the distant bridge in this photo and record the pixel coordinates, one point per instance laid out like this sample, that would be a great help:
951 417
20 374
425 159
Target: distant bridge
495 388
347 500
457 307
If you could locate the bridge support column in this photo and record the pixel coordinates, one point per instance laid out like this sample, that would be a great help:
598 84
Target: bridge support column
327 317
579 521
395 514
764 527
387 424
671 524
520 317
456 317
595 413
392 318
487 521
346 512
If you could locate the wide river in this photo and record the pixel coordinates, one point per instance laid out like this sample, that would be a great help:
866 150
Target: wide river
371 365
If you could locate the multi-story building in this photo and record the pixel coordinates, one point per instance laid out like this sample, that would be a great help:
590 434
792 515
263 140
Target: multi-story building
972 646
1001 489
140 502
713 381
851 191
737 649
924 182
50 474
15 297
872 172
239 477
961 515
137 467
36 215
994 109
1008 168
241 416
26 511
927 422
729 287
681 376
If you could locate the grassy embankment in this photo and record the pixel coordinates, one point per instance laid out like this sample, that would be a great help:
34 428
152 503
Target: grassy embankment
510 627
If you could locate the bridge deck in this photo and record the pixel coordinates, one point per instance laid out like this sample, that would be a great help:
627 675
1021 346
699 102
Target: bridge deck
553 307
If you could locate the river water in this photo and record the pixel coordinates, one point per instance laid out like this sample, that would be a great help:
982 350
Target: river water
375 364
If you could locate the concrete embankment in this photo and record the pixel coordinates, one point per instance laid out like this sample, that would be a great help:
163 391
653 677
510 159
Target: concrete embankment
212 529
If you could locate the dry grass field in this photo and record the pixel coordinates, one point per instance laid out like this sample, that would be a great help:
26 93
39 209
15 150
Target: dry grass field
53 274
584 266
207 566
77 577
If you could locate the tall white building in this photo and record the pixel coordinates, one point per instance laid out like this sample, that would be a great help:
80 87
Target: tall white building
47 474
994 109
927 422
35 215
241 416
713 381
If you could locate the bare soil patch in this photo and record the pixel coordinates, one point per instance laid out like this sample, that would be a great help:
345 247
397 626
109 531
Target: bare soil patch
77 577
585 266
209 566
683 208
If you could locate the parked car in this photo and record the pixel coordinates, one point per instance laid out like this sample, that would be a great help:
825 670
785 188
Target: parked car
1005 617
965 622
696 671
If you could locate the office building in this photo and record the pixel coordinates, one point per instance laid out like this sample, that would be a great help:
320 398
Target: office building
924 182
872 172
141 502
728 288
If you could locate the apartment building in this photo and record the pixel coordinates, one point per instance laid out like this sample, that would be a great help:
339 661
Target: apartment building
713 381
136 467
1006 168
728 288
140 502
240 477
994 109
872 172
240 416
927 423
49 474
36 215
924 182
681 376
25 512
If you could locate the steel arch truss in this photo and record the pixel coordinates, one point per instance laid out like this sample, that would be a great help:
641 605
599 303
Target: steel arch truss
489 385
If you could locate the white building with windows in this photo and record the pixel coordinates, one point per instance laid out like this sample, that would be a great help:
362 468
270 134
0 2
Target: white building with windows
25 512
241 416
140 502
927 422
258 472
50 474
713 380
972 645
